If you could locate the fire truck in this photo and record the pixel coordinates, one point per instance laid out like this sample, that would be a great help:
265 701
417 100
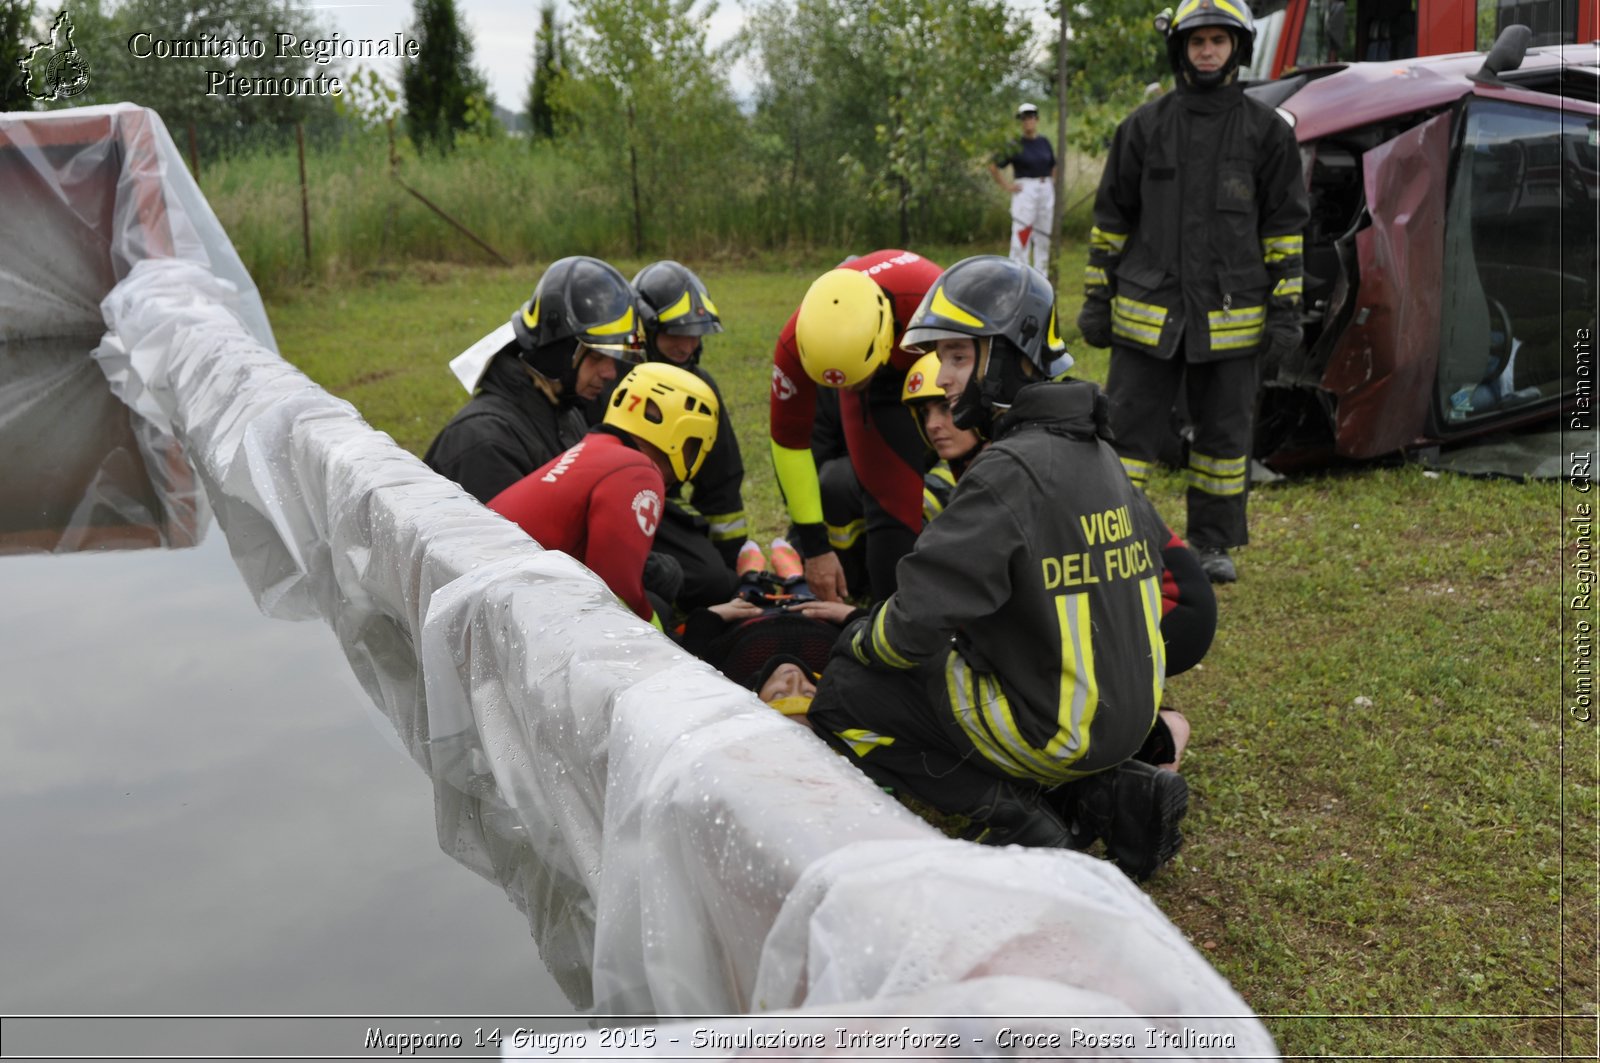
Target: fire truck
1295 34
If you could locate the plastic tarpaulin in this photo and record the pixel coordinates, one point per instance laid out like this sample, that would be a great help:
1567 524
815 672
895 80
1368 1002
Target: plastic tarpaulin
678 847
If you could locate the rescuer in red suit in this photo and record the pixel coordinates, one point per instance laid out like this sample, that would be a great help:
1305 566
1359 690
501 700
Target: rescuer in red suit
845 336
602 500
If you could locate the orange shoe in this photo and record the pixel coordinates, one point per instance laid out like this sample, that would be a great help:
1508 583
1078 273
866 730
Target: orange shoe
786 560
750 559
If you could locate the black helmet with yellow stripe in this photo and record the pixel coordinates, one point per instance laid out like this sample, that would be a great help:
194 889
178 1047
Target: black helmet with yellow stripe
1008 310
580 304
1232 15
675 301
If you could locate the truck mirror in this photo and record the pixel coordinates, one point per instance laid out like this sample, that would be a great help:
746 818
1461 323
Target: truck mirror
1507 53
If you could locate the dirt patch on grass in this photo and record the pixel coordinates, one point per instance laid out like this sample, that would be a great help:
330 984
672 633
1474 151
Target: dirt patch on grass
368 378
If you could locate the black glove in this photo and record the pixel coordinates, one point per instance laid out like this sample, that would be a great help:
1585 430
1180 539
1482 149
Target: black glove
1094 321
1283 336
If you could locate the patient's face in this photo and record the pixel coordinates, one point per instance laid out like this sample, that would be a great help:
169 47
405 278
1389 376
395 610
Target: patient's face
787 681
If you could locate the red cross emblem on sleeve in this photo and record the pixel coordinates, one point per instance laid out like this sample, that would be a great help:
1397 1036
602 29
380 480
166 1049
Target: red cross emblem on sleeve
647 511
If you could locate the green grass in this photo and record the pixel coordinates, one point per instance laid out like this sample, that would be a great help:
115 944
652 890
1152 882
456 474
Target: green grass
1376 832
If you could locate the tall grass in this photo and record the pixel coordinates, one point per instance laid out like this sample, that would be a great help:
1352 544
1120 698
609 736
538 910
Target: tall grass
534 204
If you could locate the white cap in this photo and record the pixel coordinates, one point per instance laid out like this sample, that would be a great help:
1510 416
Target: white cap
1023 110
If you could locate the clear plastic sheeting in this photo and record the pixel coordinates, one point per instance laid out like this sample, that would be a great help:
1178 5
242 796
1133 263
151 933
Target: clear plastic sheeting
677 846
88 192
83 471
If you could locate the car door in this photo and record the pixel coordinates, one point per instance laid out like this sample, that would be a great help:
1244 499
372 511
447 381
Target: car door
1381 370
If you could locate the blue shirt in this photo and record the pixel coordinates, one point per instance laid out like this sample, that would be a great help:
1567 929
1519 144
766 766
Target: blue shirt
1030 158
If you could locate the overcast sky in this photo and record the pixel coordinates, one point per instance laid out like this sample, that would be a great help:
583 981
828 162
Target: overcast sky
502 33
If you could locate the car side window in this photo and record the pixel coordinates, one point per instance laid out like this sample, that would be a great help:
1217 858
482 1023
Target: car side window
1519 270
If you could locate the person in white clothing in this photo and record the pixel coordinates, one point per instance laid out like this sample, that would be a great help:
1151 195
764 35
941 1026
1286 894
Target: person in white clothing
1033 190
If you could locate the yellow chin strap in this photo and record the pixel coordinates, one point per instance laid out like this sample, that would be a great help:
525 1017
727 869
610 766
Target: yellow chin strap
791 706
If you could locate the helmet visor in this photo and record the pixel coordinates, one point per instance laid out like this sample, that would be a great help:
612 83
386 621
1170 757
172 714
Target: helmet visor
688 328
627 353
921 340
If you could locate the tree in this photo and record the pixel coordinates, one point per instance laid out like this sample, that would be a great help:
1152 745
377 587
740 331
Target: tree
899 97
17 35
440 85
648 111
1114 47
549 64
182 89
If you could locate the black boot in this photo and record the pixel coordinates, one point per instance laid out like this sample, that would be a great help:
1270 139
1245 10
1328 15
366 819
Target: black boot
1015 814
1135 807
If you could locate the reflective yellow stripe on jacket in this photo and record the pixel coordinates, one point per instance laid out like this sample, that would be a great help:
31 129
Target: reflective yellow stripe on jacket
1276 249
726 526
1109 242
843 537
1238 328
1136 321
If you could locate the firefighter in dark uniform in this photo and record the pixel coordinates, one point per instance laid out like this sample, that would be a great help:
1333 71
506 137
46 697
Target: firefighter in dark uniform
1194 270
1022 650
705 531
1188 604
574 337
601 501
844 336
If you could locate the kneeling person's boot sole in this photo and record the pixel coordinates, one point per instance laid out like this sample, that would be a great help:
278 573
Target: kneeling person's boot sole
1149 804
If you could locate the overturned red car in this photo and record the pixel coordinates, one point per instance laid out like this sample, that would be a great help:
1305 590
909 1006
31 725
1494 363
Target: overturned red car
1451 269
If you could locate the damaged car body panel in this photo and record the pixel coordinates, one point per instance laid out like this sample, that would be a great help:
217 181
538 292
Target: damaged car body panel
1451 255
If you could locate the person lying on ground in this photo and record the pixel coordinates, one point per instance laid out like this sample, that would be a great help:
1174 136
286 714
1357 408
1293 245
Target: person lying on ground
775 636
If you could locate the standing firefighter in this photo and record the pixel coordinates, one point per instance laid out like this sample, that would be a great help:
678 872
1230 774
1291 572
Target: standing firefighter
1022 650
1194 268
602 500
577 333
678 314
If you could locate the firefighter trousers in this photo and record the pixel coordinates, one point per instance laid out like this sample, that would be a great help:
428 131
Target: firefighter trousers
898 728
1222 402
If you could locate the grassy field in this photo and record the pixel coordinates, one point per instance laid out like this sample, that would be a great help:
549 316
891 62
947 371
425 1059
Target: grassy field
1392 840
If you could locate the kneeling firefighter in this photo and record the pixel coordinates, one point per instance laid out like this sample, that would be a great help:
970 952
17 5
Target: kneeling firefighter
1022 649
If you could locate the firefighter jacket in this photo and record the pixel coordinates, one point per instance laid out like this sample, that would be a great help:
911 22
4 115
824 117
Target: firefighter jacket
1198 230
600 501
1045 569
717 491
507 430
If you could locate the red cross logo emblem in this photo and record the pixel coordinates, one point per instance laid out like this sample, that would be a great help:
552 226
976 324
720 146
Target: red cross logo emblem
647 511
914 384
834 378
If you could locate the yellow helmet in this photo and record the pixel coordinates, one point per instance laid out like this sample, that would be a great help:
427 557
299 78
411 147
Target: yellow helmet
670 408
922 381
845 329
922 387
